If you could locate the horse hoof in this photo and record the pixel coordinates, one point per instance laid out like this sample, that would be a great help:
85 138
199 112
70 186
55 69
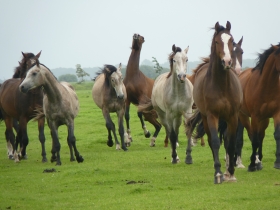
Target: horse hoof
72 159
124 149
259 166
148 134
229 178
252 168
44 160
127 144
80 159
25 157
53 159
11 157
110 143
188 160
277 165
218 179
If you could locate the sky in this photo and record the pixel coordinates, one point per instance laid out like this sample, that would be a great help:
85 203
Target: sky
93 33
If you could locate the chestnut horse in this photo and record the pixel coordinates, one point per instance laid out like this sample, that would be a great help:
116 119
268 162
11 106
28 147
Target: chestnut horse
60 107
17 106
109 94
261 101
218 95
139 89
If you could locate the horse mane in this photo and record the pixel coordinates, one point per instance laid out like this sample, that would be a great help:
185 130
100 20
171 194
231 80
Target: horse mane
20 71
46 68
205 60
170 58
262 57
107 70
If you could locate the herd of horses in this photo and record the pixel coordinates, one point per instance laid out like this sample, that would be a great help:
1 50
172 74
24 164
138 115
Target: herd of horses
217 99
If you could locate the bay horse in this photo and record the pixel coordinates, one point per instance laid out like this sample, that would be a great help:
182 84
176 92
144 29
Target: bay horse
139 89
172 98
261 101
18 109
60 107
218 95
236 66
109 94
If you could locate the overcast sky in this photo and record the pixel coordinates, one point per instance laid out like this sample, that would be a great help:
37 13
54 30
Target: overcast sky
94 33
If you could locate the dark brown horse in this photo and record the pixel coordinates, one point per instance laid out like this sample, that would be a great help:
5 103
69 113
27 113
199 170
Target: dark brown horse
261 101
17 106
139 89
236 66
218 95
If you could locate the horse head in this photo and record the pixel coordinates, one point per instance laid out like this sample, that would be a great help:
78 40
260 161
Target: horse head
114 76
33 79
223 41
178 62
137 41
237 56
27 61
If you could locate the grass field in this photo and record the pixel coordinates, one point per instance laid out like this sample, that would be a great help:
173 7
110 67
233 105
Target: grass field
141 178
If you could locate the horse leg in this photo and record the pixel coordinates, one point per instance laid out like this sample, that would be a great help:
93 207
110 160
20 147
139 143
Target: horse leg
239 145
55 144
41 124
277 139
110 127
230 148
212 122
10 138
146 132
24 137
127 117
71 140
121 130
189 132
152 119
262 127
255 144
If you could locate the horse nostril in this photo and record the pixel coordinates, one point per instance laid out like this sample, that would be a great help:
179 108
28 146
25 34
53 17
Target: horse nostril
223 62
229 63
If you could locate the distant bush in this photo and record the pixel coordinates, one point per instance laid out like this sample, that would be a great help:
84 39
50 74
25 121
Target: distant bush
68 78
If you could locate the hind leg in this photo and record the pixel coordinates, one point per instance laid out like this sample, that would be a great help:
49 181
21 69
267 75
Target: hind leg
146 132
127 117
10 138
110 128
71 139
124 142
152 119
277 139
24 140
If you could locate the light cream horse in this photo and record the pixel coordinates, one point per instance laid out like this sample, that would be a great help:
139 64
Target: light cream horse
172 99
60 107
109 94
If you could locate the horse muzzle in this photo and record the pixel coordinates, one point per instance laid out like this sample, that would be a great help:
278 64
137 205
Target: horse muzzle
182 77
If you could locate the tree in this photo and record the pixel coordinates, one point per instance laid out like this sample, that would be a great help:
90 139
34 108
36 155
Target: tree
68 78
157 67
81 73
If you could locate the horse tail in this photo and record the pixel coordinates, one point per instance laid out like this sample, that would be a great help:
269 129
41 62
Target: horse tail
39 113
1 116
222 127
145 107
195 121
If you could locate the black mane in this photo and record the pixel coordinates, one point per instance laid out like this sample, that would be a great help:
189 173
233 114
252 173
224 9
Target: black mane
262 57
107 70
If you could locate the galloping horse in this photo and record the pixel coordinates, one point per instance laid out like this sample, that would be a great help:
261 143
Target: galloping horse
218 95
139 89
109 94
236 66
172 98
60 107
261 101
17 106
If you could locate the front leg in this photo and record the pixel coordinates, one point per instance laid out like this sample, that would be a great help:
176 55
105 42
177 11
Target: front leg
55 146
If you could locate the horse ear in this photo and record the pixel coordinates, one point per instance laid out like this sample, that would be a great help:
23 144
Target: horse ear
120 66
228 26
275 47
240 41
186 50
23 54
217 27
38 55
174 48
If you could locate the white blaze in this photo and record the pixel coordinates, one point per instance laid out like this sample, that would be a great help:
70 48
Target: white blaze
225 39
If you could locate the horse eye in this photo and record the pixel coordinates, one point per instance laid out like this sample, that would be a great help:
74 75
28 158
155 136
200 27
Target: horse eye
34 74
216 42
174 61
187 60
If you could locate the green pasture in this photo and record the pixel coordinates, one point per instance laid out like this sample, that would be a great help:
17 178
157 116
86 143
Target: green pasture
141 178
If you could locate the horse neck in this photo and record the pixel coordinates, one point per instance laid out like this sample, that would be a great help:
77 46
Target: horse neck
51 88
218 75
134 60
270 73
